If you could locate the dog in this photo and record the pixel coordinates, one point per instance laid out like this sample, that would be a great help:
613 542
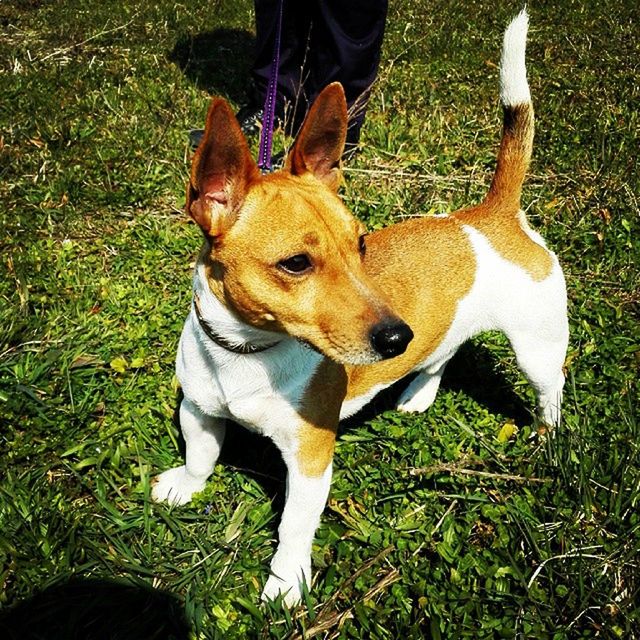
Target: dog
300 317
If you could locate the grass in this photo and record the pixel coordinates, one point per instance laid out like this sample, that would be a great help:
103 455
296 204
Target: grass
451 524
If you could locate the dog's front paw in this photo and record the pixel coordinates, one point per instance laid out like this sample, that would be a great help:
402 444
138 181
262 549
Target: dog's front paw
291 592
417 403
175 486
287 579
420 394
412 406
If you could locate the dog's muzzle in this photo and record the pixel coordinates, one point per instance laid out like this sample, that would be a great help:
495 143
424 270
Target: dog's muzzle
390 338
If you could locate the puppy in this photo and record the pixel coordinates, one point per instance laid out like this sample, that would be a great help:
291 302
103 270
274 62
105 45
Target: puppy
300 317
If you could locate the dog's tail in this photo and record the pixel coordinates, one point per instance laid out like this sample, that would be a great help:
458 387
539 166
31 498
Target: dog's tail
517 133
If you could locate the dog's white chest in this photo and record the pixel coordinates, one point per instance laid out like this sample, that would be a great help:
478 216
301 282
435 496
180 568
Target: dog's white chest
261 391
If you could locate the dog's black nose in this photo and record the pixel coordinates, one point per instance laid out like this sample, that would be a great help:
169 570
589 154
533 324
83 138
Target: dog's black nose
390 337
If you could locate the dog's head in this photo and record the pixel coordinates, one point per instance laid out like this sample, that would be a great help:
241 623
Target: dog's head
284 253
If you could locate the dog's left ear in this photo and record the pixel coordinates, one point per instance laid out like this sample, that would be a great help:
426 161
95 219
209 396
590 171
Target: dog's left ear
221 172
320 143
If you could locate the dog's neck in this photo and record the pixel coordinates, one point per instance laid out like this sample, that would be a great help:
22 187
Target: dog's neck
221 326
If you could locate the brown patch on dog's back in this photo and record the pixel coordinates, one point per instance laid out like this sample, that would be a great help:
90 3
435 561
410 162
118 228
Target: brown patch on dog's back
498 218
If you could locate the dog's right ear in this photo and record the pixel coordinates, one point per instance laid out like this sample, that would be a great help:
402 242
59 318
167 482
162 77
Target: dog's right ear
221 171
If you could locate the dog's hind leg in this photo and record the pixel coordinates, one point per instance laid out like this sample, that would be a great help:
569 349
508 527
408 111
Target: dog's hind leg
203 435
421 392
542 360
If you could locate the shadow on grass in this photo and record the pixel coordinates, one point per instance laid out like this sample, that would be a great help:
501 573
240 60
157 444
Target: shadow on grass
96 609
217 62
474 371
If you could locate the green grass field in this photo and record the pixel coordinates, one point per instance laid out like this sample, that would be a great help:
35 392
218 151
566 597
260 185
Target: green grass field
450 524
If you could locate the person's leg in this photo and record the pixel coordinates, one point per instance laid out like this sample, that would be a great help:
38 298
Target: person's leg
346 40
296 21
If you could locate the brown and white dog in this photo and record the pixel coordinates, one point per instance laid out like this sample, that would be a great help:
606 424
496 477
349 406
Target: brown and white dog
300 317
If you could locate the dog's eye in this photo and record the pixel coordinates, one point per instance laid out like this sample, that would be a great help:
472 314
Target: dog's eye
362 245
297 265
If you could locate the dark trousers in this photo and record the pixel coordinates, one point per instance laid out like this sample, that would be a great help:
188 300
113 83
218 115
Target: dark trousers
322 41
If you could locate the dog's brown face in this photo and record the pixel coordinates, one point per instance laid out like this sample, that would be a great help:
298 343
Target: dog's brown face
285 254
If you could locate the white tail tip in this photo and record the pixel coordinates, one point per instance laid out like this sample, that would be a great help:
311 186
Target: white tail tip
514 88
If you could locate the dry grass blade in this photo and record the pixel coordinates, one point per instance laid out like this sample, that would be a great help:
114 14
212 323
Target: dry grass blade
452 468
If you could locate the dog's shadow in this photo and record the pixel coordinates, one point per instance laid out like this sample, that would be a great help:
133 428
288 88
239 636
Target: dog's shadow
474 371
217 62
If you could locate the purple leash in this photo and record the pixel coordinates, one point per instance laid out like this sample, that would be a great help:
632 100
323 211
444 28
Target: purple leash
268 119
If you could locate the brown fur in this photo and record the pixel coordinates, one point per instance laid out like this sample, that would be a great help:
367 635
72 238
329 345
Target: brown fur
426 265
498 218
508 238
332 312
513 158
320 419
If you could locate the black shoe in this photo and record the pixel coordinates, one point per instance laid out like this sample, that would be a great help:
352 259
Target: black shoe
195 137
250 119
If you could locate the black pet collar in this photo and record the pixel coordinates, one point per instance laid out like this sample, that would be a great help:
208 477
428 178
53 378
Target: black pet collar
242 349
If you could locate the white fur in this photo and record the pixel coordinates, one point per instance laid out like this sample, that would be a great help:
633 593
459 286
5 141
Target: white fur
178 485
504 297
262 392
215 379
291 564
514 88
224 321
352 406
421 393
